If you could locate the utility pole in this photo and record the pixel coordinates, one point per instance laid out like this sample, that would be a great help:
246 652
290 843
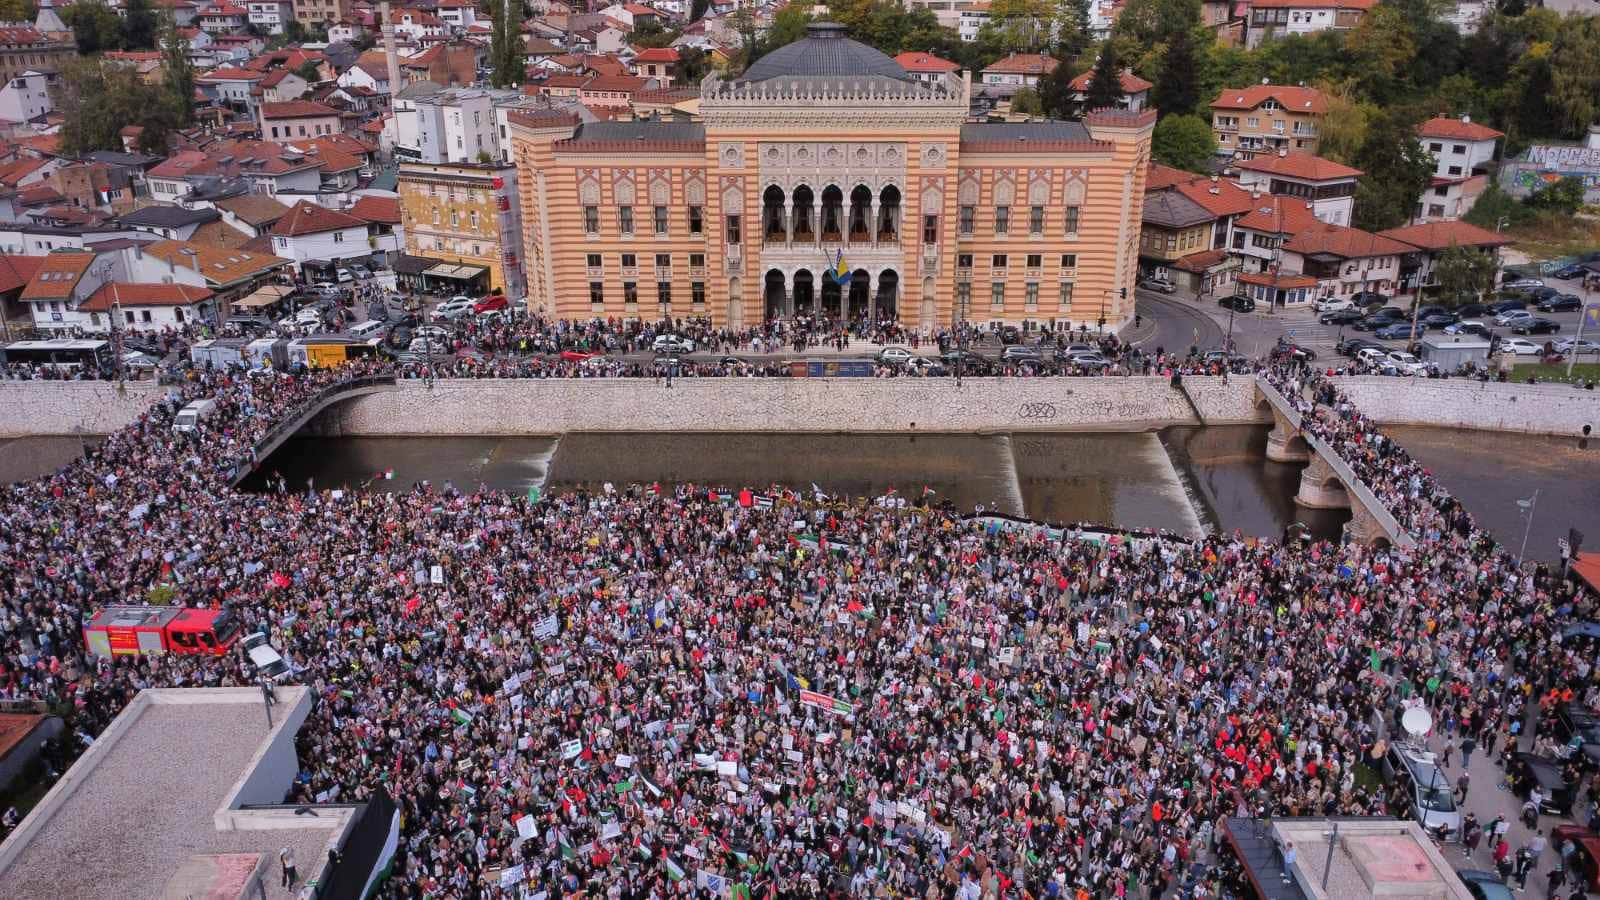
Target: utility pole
1584 312
1528 507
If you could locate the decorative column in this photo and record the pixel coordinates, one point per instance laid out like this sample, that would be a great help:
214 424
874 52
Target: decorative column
872 295
788 221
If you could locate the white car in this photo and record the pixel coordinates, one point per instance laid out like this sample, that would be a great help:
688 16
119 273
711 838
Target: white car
671 343
1332 304
344 276
454 308
431 332
1520 347
1510 316
897 355
425 346
1372 356
1407 363
1574 345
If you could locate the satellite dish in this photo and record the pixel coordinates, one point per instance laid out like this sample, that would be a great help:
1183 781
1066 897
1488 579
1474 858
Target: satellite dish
1416 721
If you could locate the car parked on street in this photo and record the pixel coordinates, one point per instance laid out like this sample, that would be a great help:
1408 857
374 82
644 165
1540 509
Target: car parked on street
1535 325
1399 331
1428 791
1238 303
1484 885
1585 858
1368 299
1522 285
490 303
1332 304
1408 364
897 356
454 308
1158 283
1530 770
1519 347
1346 316
671 344
1582 346
1567 273
1511 316
1017 352
1559 303
1354 345
1501 306
1469 326
1439 319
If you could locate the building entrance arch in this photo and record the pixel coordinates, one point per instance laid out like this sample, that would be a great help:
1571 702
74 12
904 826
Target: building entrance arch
804 294
776 295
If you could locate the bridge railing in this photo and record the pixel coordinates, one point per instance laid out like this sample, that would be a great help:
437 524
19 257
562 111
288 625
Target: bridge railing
1352 482
290 424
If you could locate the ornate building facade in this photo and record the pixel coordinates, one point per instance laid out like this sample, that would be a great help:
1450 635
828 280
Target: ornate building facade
826 179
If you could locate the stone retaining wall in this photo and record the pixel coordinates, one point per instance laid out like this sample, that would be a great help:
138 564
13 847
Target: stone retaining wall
1466 403
29 408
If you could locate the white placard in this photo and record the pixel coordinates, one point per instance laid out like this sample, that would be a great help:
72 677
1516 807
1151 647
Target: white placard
436 574
526 829
624 761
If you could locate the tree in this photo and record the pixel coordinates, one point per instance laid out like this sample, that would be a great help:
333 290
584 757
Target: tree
99 100
1495 209
1105 81
788 25
1562 196
1465 274
1397 170
1055 91
1025 102
698 10
1575 74
1177 90
1183 142
507 66
1070 25
1343 128
139 25
309 72
691 67
96 26
18 11
1018 26
649 33
177 72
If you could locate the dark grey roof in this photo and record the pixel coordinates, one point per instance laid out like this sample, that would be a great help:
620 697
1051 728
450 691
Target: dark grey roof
643 130
169 217
113 157
824 51
1170 209
1053 130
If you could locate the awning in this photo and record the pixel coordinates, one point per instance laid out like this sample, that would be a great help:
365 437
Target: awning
454 272
1587 567
265 296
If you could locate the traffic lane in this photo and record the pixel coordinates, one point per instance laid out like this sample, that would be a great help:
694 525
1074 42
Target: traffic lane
1179 324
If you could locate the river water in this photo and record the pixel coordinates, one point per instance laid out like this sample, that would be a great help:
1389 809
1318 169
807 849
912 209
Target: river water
1183 479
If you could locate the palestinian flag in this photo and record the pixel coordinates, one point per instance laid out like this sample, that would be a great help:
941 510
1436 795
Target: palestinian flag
461 716
741 891
674 871
651 786
567 850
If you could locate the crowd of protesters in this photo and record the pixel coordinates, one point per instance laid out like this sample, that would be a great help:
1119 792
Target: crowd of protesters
666 691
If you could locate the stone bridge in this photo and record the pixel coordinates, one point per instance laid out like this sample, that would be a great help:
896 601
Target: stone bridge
329 396
1328 482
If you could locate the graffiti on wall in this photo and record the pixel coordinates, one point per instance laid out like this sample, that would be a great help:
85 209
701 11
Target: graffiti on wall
1544 164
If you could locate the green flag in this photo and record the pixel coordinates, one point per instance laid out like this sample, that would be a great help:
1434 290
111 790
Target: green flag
674 871
1377 664
534 493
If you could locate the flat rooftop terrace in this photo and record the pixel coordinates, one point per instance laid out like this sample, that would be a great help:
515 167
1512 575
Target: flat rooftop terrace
163 785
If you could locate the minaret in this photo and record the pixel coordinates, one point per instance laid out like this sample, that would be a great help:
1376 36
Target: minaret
47 20
390 55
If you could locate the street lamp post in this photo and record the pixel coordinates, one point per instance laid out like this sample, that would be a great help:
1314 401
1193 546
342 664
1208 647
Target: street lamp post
105 273
958 321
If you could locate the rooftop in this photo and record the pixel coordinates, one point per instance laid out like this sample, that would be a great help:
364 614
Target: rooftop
1442 235
1304 166
169 217
825 51
640 134
1131 83
1023 64
1345 243
221 266
295 109
1292 99
306 217
77 842
1371 858
925 62
1462 129
143 294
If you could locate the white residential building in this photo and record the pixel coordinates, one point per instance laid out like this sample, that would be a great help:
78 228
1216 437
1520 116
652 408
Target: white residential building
271 16
25 97
314 234
457 125
1463 154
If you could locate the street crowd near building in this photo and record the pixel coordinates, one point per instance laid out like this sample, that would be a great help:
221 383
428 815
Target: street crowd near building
609 692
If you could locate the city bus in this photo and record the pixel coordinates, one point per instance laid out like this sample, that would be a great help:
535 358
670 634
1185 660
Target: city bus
65 354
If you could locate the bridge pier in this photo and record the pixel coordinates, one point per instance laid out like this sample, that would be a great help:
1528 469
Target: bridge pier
1284 443
1363 527
1321 487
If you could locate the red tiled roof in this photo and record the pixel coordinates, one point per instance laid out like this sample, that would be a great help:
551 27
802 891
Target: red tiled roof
1293 99
1299 165
1280 280
1023 64
385 210
1229 198
625 84
1362 5
229 74
15 728
1159 176
16 271
1131 83
295 109
1200 262
1457 130
143 294
1347 243
306 217
1441 235
38 195
1272 214
14 172
657 55
924 62
57 274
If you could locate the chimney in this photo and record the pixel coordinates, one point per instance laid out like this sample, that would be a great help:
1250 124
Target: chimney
1466 119
390 55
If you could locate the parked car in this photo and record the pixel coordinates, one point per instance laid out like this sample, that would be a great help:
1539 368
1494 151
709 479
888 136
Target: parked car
1519 347
1430 795
1534 325
1408 364
1089 361
1010 334
138 362
1506 306
1471 309
1521 285
1484 885
1345 316
1540 294
1158 283
490 303
1352 346
1372 356
1381 319
1439 319
1585 859
1017 352
1567 273
1213 357
1528 770
1576 345
1238 303
360 272
1366 299
431 332
454 308
344 276
1559 303
970 363
1332 304
671 343
1469 327
926 366
424 345
1579 729
399 337
1399 331
898 356
1510 316
1291 350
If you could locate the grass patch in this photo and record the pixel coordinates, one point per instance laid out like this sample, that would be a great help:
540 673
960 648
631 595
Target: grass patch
1551 236
1581 372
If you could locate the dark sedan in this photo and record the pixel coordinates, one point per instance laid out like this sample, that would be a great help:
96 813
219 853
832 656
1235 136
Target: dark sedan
1559 303
1341 317
1468 310
1567 273
1398 331
1535 325
1237 303
1439 319
1352 346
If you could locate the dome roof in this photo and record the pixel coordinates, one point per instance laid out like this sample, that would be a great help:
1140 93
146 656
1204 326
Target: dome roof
824 52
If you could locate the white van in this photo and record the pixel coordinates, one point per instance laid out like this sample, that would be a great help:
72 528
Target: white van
370 331
190 417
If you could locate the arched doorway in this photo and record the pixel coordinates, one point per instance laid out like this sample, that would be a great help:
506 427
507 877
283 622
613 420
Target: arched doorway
805 297
887 302
775 296
832 213
803 204
830 298
860 201
772 228
860 291
889 214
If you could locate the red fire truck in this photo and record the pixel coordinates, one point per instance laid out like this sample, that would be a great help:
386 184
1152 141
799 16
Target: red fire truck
131 630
